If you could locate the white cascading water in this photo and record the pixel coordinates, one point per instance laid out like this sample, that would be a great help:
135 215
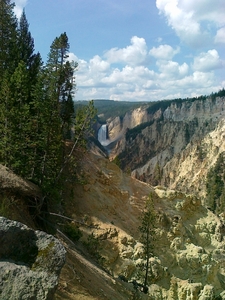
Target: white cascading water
102 135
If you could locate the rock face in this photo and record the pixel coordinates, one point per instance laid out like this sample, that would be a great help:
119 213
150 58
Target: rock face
189 247
30 262
189 251
173 146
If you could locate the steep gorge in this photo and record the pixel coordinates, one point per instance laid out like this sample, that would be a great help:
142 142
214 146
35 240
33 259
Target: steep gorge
188 260
173 145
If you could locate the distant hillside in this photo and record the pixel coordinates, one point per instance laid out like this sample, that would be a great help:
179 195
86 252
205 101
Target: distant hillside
110 109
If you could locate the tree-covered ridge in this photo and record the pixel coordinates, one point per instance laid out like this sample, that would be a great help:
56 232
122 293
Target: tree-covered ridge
107 109
163 105
110 109
37 114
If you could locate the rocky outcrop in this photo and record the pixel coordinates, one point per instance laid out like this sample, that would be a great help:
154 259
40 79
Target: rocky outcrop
188 260
189 245
30 262
118 126
16 185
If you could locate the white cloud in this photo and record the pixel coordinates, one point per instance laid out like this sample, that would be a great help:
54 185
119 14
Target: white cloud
205 10
189 17
208 61
126 77
96 63
172 69
19 6
164 52
129 74
134 54
220 36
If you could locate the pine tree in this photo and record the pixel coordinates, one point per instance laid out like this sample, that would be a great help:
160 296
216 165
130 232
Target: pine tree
5 128
48 140
20 120
19 68
8 38
147 230
15 121
26 51
25 41
215 185
36 105
61 72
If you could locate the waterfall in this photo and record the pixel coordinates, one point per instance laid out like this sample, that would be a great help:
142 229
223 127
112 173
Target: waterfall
103 135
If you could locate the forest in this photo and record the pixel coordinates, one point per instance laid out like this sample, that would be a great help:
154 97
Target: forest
37 115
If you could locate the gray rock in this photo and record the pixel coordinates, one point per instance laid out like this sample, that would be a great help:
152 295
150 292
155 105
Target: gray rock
30 262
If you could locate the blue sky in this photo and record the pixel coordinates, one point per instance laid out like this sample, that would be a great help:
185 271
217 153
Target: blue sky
136 50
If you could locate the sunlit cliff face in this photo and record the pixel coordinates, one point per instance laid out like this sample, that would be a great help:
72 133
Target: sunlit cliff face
177 145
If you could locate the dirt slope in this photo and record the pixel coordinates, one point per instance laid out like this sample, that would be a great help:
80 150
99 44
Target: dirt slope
108 199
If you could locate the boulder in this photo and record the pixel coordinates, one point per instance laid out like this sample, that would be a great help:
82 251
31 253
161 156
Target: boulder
30 262
16 185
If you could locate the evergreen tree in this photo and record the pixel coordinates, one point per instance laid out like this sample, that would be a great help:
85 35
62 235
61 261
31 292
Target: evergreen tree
8 38
36 105
26 51
62 85
15 121
48 139
5 128
147 230
215 185
25 41
18 69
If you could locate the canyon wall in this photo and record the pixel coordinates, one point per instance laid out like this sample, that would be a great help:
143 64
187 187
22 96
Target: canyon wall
188 246
173 146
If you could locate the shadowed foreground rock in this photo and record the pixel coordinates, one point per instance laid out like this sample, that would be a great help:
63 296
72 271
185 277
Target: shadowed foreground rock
30 262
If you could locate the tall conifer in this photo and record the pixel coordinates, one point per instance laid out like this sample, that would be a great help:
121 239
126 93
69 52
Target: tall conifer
8 38
62 74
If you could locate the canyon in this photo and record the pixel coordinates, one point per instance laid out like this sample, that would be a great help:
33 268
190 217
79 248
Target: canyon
189 244
165 150
172 145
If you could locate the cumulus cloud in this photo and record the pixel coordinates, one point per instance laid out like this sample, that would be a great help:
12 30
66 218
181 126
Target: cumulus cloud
130 75
187 18
208 61
172 69
19 6
164 52
134 54
119 75
96 63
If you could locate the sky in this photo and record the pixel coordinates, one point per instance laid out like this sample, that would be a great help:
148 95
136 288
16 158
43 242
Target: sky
135 50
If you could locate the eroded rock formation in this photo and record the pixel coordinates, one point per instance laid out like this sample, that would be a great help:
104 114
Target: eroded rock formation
189 253
173 146
189 247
